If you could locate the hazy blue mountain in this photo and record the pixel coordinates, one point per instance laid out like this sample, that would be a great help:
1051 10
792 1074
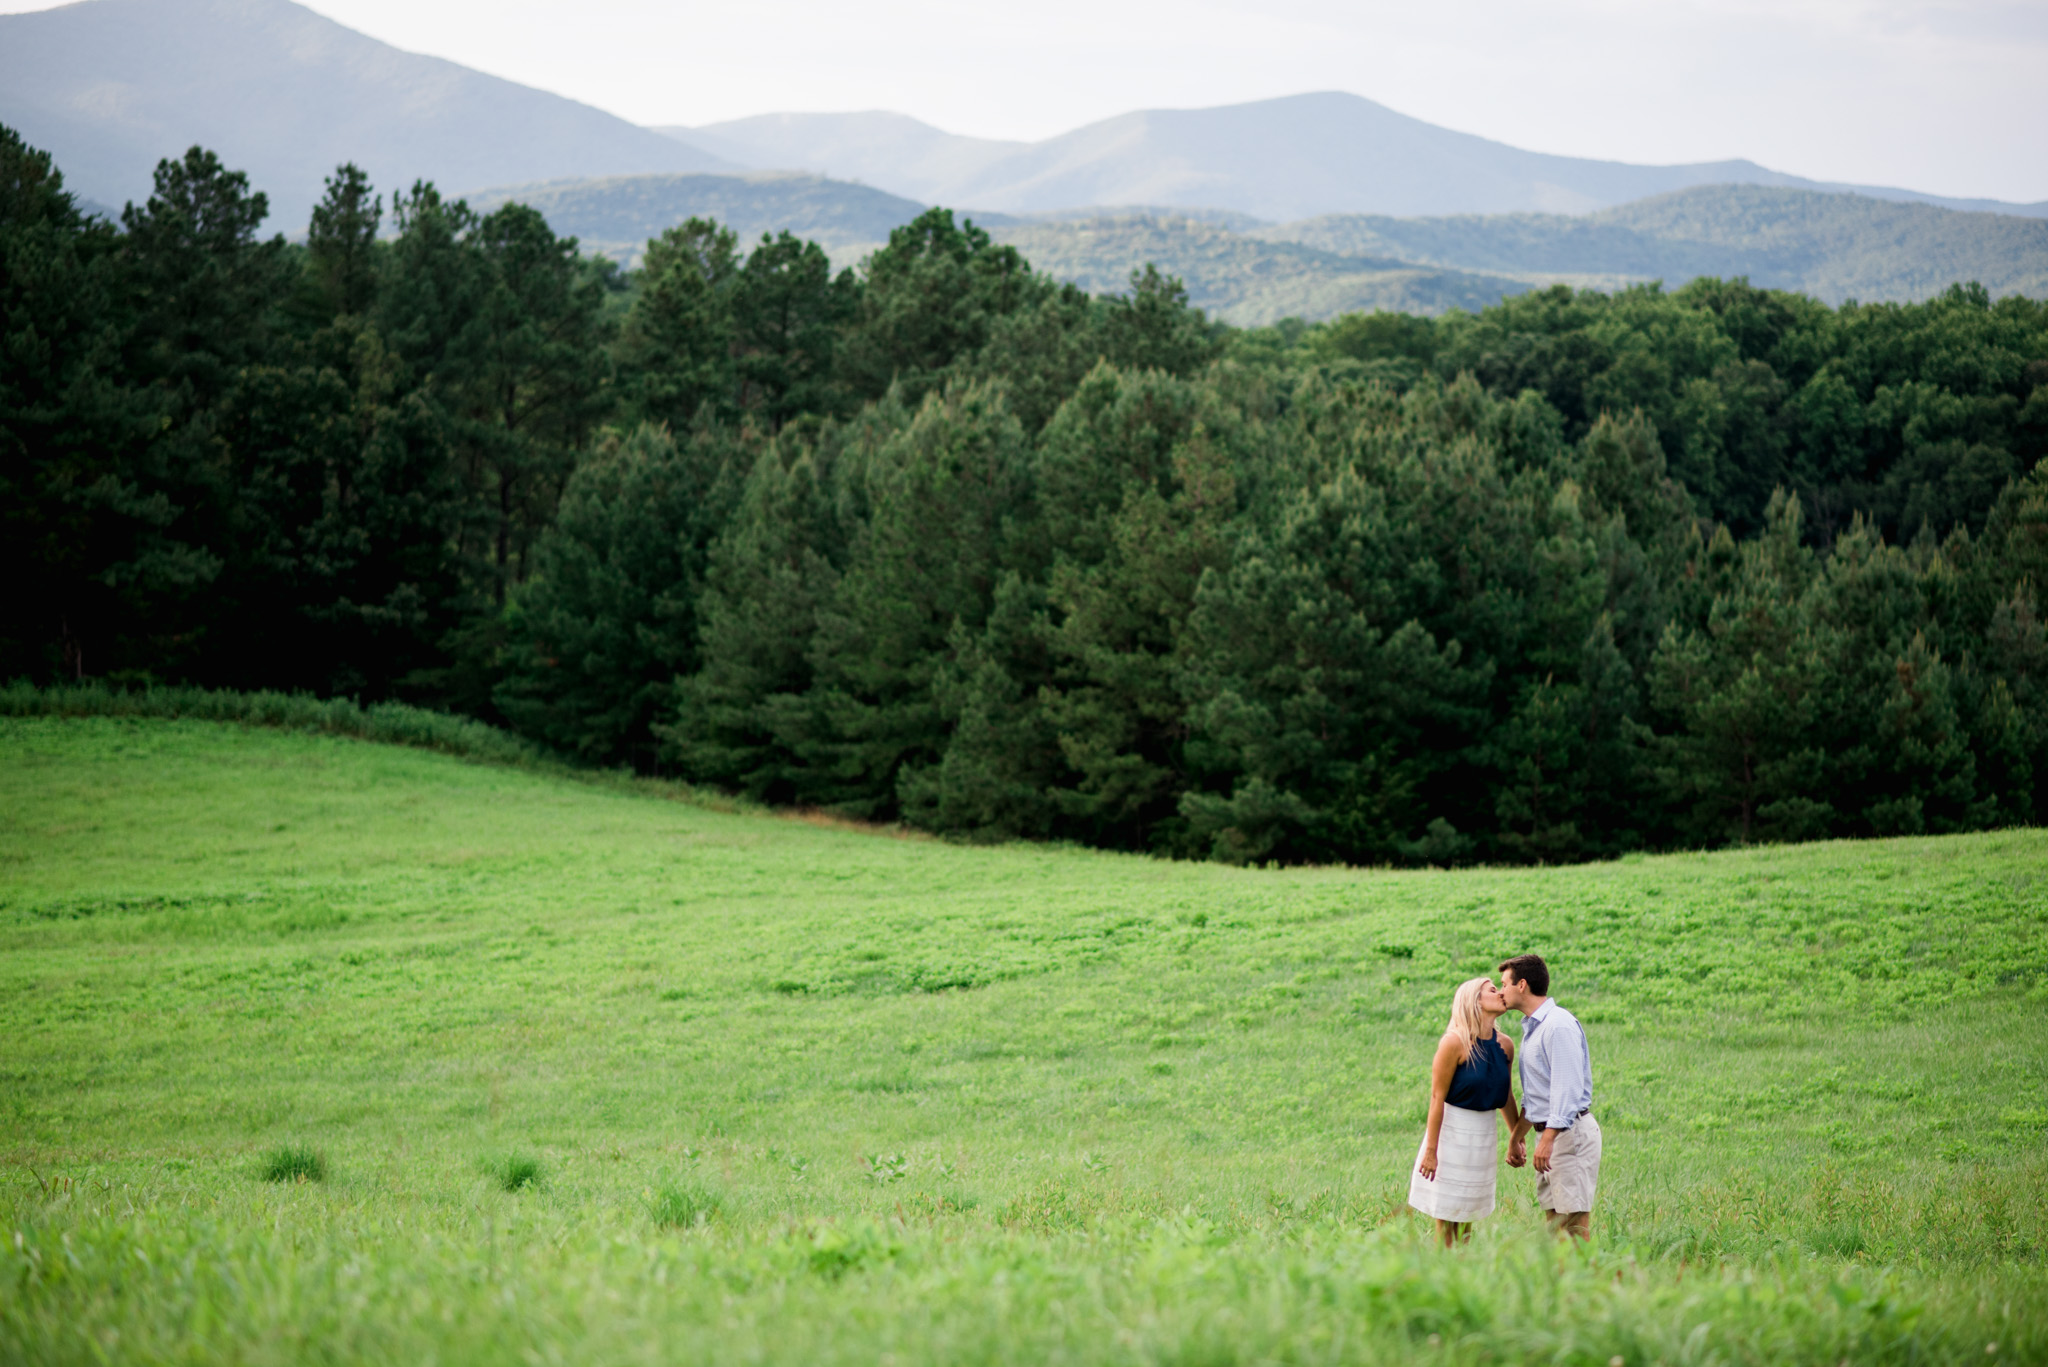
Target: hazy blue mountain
617 215
112 86
1280 159
893 151
1834 246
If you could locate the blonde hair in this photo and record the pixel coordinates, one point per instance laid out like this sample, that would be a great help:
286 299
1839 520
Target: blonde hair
1467 1020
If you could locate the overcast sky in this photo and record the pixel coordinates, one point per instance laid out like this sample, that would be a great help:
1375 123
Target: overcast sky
1946 98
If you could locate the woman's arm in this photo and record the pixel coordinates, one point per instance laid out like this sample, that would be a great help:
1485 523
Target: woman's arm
1518 1124
1512 1112
1441 1069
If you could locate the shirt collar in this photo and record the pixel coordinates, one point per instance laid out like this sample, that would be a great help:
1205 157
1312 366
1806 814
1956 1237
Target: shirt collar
1536 1017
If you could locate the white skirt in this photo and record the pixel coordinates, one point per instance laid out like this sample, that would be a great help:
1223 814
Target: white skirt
1467 1162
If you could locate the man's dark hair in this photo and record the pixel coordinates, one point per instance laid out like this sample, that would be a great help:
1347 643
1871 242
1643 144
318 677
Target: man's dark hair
1531 972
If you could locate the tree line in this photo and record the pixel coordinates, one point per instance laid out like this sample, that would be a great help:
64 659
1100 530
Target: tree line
943 541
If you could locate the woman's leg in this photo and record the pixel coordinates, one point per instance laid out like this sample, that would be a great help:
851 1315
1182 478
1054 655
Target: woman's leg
1447 1230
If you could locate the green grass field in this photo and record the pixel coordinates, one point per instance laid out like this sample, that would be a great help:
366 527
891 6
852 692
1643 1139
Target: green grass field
553 1070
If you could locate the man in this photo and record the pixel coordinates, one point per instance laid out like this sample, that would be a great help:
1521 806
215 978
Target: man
1557 1098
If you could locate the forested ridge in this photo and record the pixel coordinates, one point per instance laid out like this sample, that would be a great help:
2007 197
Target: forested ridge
942 541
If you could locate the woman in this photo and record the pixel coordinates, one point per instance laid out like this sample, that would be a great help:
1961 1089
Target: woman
1468 1082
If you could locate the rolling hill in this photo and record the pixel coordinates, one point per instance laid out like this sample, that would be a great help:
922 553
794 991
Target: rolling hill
1239 278
1281 159
1246 280
1834 246
112 86
615 216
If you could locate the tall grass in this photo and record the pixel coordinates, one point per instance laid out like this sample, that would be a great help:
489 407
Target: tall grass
513 1172
219 1287
294 1163
683 1204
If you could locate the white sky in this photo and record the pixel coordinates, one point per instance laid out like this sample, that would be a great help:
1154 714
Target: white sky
1944 98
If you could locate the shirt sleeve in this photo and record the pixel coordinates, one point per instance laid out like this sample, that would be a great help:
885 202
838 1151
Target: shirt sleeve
1535 1084
1568 1080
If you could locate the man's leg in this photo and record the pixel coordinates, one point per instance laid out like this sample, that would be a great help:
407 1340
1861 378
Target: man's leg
1566 1191
1577 1223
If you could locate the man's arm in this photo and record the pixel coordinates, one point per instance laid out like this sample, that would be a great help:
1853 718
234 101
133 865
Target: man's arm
1568 1081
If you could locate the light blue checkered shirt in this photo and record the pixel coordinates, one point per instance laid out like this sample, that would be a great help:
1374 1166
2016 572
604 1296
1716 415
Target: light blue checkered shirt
1557 1068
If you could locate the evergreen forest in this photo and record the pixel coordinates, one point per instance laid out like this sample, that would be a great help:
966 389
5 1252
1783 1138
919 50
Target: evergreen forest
941 541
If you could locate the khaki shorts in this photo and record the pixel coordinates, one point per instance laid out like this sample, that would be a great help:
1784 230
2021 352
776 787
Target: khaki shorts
1574 1172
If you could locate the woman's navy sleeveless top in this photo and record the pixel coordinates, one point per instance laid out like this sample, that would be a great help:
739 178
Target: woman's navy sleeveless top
1481 1082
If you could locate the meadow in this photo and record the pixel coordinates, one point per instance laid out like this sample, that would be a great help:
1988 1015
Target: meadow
319 1050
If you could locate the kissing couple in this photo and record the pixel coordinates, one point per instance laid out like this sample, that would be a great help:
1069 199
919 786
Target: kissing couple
1472 1078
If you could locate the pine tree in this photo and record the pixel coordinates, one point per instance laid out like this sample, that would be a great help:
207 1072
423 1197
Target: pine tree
1115 702
1002 757
924 560
341 573
1319 707
1744 758
788 310
746 719
88 541
927 299
677 346
609 621
205 285
341 241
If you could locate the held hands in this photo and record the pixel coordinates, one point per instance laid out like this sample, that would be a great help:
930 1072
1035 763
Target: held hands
1427 1167
1517 1154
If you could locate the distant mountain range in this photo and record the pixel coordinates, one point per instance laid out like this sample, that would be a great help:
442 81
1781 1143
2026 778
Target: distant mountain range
112 86
1309 205
1278 160
1836 246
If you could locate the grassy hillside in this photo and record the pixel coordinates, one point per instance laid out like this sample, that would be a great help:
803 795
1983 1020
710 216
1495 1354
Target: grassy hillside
1245 280
557 1071
1833 246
